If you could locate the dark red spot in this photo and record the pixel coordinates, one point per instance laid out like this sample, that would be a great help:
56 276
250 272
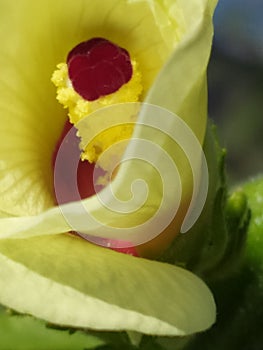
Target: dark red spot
98 67
65 189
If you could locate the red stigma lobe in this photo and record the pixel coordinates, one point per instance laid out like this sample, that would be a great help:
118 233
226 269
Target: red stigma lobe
98 67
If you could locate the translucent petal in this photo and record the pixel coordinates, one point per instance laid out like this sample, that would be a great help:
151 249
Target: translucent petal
82 285
127 210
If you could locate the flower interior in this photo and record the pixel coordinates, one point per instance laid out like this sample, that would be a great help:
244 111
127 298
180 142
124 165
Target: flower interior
32 120
98 73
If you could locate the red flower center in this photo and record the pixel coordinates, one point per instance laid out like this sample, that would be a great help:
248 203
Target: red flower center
98 67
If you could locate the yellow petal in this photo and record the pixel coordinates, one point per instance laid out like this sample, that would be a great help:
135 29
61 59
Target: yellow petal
81 285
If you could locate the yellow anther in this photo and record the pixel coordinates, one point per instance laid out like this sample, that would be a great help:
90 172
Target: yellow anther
78 108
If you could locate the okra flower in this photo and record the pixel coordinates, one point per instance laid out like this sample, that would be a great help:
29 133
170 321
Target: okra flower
62 278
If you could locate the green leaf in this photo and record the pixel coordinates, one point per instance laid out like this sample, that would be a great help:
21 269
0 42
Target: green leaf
67 281
27 333
239 297
215 244
254 191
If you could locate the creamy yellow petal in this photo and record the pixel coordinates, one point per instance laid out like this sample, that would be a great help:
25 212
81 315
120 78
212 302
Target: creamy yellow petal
81 285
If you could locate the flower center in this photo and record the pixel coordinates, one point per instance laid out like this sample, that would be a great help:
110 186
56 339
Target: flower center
98 73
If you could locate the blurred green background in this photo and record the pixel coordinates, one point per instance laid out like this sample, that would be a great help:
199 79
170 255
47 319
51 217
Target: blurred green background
235 77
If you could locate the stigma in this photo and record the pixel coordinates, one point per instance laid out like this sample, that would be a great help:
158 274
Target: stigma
98 67
97 74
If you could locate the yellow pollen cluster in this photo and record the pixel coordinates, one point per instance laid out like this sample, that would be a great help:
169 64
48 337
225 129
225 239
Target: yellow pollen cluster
79 108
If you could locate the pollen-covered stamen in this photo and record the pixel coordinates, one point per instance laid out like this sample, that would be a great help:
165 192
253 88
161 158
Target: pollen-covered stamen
97 52
98 67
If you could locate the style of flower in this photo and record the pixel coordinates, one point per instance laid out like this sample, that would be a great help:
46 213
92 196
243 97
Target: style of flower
45 271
